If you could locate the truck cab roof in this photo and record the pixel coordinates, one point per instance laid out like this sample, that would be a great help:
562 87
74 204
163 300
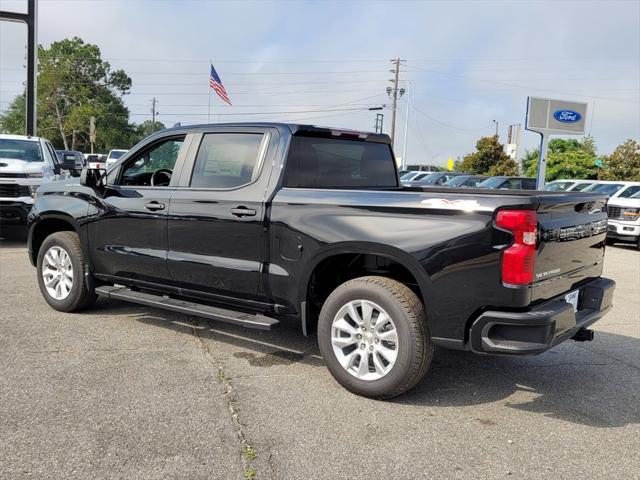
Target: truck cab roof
292 128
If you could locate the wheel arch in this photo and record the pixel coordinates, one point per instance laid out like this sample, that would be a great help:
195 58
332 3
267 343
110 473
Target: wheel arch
45 226
403 267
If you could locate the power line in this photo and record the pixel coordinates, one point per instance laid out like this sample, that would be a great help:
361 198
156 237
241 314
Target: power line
525 87
433 119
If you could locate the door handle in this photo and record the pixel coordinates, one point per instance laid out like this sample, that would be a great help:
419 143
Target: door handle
243 212
154 206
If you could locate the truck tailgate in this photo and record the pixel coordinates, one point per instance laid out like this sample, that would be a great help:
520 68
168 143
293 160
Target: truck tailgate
572 235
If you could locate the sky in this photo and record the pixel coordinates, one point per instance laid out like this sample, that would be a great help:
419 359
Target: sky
467 64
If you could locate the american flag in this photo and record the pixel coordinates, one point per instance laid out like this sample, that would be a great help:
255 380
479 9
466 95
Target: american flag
216 84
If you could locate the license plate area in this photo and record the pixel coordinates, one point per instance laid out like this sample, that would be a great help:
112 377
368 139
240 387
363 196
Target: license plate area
572 299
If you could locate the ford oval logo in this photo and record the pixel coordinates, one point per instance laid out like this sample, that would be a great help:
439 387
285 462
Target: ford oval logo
567 116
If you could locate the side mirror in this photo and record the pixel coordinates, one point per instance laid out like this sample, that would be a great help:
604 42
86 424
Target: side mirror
90 177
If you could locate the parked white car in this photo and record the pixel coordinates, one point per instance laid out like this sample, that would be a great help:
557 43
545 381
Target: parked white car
114 156
25 163
624 216
568 185
612 188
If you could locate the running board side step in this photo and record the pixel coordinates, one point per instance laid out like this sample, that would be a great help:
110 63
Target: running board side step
259 322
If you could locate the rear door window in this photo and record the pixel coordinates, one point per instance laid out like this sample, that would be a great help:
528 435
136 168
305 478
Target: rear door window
228 160
316 162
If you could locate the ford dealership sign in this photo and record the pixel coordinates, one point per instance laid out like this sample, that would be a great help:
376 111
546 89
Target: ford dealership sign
551 116
567 116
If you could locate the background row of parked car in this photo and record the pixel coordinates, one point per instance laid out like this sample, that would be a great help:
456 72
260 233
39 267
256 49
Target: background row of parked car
457 179
623 207
26 162
74 161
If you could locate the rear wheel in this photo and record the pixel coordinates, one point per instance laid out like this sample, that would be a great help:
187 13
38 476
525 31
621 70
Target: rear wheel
60 267
373 336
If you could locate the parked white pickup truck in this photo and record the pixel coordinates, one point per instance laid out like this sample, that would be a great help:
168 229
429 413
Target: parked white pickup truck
25 163
623 211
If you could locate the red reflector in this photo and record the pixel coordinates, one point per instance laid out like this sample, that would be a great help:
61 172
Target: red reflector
518 260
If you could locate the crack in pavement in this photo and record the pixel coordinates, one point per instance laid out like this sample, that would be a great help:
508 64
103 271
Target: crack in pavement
229 396
597 351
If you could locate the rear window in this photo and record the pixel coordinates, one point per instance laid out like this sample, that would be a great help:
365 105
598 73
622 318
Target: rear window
116 154
315 162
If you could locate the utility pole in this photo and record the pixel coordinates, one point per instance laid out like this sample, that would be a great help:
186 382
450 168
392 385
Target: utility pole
394 96
496 122
92 131
153 115
406 131
394 92
30 19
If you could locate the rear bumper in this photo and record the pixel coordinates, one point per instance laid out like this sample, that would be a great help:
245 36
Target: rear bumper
542 327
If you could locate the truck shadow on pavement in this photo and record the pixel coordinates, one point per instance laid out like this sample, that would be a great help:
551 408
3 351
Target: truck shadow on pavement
593 384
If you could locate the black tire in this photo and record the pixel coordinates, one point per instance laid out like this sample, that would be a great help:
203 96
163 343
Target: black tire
610 241
79 297
414 342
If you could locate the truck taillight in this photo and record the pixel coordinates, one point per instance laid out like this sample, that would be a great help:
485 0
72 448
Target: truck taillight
518 260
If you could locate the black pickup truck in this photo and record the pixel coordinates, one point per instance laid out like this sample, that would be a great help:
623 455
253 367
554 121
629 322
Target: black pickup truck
256 223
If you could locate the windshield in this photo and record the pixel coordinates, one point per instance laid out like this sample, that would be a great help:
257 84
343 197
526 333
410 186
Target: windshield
116 154
608 188
457 181
558 186
409 175
630 192
494 182
431 178
26 150
421 177
581 186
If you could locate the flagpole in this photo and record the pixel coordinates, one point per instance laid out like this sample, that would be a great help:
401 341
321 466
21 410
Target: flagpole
209 94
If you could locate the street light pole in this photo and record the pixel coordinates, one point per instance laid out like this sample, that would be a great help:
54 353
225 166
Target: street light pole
31 20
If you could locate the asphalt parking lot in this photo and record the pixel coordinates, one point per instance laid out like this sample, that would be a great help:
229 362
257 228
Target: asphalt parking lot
123 391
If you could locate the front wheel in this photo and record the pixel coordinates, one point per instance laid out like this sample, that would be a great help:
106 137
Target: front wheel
373 335
60 269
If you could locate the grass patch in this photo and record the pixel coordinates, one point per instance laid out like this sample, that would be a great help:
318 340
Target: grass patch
249 453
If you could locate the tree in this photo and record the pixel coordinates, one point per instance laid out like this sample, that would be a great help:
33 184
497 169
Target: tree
566 158
488 159
623 163
74 84
146 128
